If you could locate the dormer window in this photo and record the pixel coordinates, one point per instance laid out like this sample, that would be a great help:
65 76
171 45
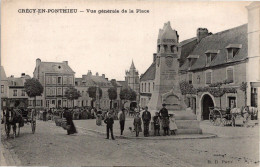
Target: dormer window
192 59
210 56
232 50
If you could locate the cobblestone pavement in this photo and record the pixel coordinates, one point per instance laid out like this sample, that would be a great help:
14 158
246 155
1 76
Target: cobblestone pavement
234 146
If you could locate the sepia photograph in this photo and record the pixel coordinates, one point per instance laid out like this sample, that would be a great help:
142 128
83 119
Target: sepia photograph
130 83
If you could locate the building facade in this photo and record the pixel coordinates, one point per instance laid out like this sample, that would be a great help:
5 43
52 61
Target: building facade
56 78
216 66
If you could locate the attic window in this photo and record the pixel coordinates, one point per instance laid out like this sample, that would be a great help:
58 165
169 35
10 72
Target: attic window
59 67
232 50
192 59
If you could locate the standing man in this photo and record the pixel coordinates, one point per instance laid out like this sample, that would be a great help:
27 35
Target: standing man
146 116
164 115
109 121
122 120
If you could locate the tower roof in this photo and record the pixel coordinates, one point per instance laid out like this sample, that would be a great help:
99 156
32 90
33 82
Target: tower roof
132 65
167 32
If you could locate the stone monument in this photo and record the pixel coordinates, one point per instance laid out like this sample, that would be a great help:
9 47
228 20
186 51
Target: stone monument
166 88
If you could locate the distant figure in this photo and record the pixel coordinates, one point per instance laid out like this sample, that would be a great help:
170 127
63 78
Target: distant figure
156 121
164 115
45 115
109 121
122 120
173 126
146 116
68 115
137 124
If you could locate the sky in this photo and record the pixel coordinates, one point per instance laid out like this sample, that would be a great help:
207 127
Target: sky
103 43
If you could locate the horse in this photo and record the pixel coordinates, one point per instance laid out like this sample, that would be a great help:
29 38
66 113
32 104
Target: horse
12 118
244 111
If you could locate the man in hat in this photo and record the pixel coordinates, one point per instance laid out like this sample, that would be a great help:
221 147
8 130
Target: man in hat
137 124
109 121
164 115
146 116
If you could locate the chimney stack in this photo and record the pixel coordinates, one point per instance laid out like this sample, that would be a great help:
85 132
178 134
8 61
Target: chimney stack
65 62
89 72
38 62
97 74
202 33
23 75
103 75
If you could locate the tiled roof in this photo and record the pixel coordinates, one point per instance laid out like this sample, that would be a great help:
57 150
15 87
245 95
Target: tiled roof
187 47
123 84
55 67
92 80
149 73
233 37
17 82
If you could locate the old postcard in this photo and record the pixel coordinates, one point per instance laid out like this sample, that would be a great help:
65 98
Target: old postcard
130 83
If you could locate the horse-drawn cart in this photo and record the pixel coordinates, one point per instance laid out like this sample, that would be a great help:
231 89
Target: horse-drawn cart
220 117
16 119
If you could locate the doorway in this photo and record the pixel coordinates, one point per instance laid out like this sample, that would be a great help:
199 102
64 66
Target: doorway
207 102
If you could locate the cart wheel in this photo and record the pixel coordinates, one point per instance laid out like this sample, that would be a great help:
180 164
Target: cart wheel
211 118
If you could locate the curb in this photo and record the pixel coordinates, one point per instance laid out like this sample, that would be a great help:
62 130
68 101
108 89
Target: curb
9 156
178 137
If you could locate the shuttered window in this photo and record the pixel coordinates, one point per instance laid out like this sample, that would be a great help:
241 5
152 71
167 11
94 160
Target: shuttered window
208 77
190 78
230 76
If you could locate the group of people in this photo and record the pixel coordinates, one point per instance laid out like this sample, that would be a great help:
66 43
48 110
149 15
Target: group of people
162 119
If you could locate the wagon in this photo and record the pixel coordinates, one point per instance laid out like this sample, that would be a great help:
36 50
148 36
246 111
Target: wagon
19 117
220 117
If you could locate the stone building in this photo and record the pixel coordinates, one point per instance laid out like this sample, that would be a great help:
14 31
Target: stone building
12 91
209 62
55 78
89 80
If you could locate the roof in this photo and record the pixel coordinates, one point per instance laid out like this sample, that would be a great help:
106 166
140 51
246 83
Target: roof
185 42
56 67
17 82
132 65
187 47
220 41
193 57
92 80
123 84
149 73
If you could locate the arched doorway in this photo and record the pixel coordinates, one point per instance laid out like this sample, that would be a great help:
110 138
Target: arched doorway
207 102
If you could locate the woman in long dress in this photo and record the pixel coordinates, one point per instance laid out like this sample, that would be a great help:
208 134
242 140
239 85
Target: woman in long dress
68 115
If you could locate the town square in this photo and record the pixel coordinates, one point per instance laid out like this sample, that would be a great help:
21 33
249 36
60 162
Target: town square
87 93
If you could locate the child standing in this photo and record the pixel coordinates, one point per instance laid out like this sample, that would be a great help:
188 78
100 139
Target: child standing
137 124
156 121
173 126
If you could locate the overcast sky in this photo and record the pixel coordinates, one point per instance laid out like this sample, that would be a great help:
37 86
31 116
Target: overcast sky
103 43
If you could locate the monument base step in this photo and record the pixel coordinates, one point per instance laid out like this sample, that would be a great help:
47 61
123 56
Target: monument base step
188 124
189 131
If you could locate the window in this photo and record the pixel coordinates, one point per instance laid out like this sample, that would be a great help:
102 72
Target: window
82 93
48 79
53 91
59 80
14 92
153 86
76 83
145 87
2 88
64 80
231 53
208 77
59 92
23 93
190 78
230 75
47 103
64 91
210 57
142 87
198 79
38 102
54 80
148 87
48 92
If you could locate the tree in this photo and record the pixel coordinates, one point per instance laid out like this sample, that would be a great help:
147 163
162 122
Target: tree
112 94
92 93
127 94
72 94
33 88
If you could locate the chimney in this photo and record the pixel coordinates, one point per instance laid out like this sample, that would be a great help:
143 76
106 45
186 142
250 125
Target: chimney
38 62
202 33
12 76
65 62
23 75
154 57
89 72
106 79
97 74
103 75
